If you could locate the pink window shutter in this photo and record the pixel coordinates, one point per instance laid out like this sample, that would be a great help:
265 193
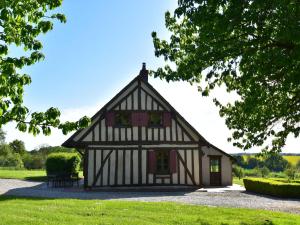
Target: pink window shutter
151 161
173 161
110 119
135 119
167 119
144 118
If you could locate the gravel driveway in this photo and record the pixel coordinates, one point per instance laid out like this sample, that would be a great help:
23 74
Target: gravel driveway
239 199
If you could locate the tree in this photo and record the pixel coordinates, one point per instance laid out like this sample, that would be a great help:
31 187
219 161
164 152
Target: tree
2 136
251 47
252 162
240 161
264 171
12 160
21 23
5 150
275 162
238 172
18 146
291 172
33 161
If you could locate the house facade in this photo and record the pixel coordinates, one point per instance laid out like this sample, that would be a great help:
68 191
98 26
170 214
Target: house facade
139 139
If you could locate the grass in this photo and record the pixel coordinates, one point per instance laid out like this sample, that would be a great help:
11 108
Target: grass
238 181
68 211
32 175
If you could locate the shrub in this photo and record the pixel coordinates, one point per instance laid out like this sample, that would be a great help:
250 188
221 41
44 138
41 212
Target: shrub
238 172
5 150
264 171
62 163
33 161
278 175
11 160
298 165
291 172
252 173
272 187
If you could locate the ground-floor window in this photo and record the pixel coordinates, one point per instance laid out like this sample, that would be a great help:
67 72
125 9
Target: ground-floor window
162 162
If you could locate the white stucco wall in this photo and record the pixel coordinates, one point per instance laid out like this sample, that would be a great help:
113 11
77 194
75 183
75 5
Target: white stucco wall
226 167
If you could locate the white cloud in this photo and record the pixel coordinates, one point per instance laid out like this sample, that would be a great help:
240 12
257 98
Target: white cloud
199 111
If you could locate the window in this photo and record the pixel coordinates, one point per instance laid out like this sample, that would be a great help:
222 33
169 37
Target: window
122 119
162 162
155 119
215 165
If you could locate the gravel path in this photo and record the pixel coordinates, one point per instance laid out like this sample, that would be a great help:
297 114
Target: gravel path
239 199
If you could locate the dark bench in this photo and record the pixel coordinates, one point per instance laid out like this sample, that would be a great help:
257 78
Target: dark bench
62 179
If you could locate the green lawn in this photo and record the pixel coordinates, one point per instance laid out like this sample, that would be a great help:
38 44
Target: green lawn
33 175
238 181
66 211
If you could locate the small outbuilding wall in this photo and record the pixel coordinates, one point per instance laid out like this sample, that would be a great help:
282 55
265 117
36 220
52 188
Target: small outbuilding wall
226 166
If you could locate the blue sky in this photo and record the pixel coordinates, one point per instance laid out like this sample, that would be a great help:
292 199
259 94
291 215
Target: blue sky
102 44
96 53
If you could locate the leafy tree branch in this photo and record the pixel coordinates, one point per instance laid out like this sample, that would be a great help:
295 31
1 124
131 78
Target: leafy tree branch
21 22
253 47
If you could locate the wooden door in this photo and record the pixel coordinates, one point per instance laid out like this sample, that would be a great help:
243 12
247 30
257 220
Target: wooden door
215 170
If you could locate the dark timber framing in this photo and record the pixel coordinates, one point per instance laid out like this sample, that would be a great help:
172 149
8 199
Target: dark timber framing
124 151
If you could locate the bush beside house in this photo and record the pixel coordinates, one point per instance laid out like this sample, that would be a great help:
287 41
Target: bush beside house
274 187
63 163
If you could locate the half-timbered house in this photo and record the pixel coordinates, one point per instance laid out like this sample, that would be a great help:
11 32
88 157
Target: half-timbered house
139 139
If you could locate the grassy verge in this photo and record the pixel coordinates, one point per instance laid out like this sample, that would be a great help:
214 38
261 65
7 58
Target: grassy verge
32 175
238 181
66 211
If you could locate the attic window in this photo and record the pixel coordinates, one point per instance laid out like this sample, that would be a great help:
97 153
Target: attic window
155 119
122 119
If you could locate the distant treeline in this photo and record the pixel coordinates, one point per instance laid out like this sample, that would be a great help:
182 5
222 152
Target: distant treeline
253 154
15 155
274 162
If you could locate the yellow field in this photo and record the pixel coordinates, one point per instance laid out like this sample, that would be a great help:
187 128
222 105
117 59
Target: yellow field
293 159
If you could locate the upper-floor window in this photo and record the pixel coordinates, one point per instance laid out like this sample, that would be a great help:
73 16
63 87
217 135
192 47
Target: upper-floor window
138 118
122 119
155 119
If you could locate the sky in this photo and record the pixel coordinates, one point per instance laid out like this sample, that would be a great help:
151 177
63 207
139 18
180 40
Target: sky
96 53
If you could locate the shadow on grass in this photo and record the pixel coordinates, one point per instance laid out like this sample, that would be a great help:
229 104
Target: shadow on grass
36 178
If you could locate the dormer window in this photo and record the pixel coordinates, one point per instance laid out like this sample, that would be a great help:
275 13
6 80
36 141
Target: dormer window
155 119
122 119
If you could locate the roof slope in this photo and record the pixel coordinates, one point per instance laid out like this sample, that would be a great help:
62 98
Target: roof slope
70 141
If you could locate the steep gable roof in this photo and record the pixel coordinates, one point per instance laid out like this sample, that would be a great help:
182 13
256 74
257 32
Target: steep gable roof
130 87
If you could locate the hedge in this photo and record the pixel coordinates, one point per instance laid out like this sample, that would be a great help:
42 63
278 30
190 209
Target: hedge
273 187
63 163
